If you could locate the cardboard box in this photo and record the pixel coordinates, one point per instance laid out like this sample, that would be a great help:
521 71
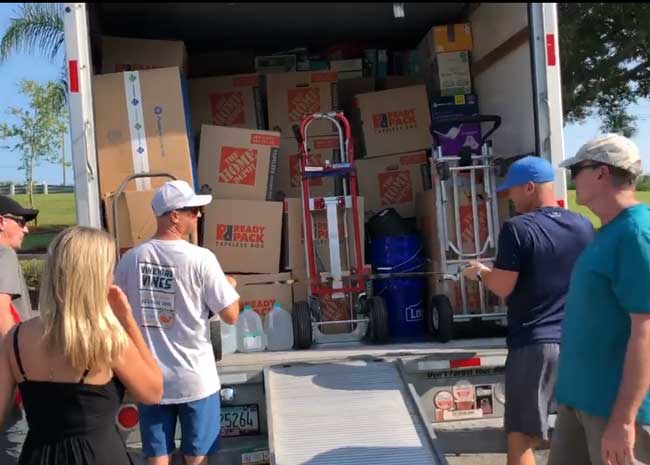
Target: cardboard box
261 291
293 95
448 74
347 69
141 125
126 54
222 63
233 101
275 64
238 163
321 148
453 137
394 181
395 121
448 38
293 238
136 220
396 82
245 235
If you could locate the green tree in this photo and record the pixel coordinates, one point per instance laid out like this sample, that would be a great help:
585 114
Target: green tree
38 27
605 53
37 134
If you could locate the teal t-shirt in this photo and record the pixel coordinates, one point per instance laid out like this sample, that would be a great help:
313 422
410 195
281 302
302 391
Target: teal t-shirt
610 280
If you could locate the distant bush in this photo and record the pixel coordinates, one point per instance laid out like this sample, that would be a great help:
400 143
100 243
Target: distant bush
32 271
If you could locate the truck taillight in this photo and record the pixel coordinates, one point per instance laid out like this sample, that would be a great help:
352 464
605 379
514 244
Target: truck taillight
128 417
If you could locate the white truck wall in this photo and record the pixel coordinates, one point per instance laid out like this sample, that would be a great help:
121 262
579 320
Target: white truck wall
505 88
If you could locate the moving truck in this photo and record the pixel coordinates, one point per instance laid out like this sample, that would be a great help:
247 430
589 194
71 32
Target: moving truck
401 403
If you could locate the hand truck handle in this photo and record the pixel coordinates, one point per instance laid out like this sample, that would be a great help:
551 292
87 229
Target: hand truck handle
447 121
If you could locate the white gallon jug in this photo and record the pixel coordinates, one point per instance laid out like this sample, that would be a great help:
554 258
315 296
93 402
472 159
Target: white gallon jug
278 328
250 333
228 338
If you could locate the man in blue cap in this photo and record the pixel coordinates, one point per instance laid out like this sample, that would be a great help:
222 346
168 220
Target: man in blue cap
536 253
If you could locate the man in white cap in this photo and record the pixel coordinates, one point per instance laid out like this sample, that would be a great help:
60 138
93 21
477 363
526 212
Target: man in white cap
173 287
604 367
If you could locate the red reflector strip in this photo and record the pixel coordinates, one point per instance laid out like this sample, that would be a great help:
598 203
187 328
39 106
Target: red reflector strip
550 50
466 362
561 203
73 73
128 417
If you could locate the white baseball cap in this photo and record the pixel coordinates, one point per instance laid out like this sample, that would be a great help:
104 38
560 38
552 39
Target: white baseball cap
174 195
611 149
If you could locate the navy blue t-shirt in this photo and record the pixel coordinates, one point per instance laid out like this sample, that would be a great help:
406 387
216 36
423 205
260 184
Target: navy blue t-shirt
542 247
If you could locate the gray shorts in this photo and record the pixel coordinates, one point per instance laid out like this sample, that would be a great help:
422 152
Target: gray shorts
12 436
577 435
531 373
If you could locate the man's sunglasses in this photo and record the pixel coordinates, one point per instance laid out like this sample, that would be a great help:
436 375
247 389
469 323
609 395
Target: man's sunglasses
575 169
18 219
194 210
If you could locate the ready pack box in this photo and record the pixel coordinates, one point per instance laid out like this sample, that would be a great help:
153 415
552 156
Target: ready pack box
394 121
262 291
127 54
233 101
321 148
141 126
453 138
294 257
136 219
448 74
290 96
245 235
237 163
394 181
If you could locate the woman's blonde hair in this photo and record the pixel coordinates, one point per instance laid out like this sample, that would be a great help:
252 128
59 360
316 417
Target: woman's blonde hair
74 299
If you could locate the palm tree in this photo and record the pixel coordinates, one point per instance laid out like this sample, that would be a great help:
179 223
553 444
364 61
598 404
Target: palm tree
37 27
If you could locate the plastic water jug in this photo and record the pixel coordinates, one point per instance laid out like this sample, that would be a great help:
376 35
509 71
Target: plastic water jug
228 338
278 328
250 333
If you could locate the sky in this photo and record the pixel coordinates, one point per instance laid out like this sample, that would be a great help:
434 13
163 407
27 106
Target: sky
38 68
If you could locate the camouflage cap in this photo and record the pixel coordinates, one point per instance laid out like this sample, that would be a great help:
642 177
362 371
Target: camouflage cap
611 149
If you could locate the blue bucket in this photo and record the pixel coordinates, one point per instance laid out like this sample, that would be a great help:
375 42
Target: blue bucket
404 297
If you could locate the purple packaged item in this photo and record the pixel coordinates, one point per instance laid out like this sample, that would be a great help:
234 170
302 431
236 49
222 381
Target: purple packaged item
453 137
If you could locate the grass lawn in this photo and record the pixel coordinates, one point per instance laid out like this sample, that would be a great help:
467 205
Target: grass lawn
642 196
56 211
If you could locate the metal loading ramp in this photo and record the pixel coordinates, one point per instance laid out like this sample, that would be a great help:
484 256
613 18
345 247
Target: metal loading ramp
347 413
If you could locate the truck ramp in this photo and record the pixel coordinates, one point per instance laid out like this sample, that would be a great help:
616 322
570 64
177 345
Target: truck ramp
345 413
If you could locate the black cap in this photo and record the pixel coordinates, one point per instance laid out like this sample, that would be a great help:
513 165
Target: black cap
9 206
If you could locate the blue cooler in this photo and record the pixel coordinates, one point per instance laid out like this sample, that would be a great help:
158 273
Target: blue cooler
404 297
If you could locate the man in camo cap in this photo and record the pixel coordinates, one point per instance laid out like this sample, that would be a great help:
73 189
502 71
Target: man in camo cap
604 367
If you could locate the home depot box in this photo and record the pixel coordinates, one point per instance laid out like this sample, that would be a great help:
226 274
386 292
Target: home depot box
394 181
447 38
448 74
233 101
141 125
452 138
321 148
347 90
261 291
293 238
127 54
238 163
136 220
245 235
292 95
395 121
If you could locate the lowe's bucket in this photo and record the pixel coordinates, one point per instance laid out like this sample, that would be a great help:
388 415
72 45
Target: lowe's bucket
404 297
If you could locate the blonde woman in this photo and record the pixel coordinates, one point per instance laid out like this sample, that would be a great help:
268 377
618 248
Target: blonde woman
73 363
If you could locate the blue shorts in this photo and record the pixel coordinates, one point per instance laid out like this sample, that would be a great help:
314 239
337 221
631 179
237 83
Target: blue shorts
200 425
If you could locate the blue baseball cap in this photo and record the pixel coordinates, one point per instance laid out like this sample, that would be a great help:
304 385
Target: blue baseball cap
528 169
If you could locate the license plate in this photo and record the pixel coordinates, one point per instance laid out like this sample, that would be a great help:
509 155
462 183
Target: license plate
239 420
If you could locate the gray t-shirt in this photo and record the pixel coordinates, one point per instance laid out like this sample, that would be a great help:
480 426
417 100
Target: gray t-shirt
12 282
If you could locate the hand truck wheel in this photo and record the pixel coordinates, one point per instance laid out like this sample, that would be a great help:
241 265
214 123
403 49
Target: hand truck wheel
301 318
442 318
215 339
378 330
